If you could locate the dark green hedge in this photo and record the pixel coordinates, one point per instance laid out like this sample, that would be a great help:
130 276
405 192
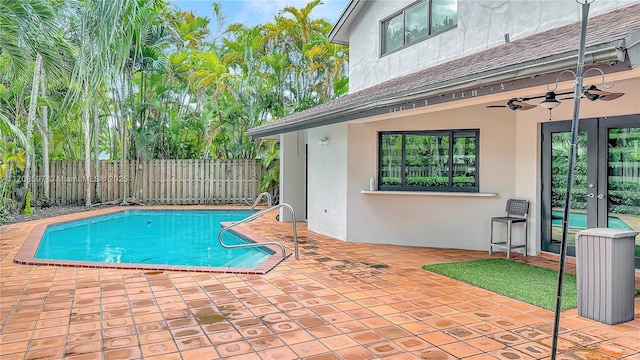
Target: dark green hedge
431 181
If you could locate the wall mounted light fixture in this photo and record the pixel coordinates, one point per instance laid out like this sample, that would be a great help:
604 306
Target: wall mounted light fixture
323 142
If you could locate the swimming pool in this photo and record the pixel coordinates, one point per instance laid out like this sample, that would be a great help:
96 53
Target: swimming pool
579 220
149 239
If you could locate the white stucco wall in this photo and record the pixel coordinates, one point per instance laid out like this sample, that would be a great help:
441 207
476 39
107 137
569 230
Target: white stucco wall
327 202
448 221
481 25
292 173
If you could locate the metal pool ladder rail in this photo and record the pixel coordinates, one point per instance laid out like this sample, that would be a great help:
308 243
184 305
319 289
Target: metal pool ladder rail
257 201
255 216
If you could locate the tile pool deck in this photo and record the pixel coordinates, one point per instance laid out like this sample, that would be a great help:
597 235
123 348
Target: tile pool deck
339 301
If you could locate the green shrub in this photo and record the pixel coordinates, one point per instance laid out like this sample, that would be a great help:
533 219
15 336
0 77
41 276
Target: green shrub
5 215
390 180
27 204
437 181
624 209
46 202
464 181
431 181
626 186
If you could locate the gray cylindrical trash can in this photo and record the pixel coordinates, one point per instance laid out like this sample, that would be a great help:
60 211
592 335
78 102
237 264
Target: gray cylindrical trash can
605 271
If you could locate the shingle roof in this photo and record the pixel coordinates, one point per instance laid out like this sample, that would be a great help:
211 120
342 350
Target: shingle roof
607 28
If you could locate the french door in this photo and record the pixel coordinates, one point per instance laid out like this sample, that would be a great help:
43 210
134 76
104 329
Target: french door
606 185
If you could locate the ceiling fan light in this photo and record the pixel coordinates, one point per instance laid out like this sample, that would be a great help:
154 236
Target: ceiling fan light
550 101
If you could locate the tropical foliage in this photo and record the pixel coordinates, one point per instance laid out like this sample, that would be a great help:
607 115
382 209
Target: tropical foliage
623 187
140 79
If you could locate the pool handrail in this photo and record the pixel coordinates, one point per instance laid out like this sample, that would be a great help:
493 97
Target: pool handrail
255 216
257 201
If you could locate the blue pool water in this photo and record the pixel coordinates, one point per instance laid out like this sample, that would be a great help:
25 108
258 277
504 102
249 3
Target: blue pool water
579 220
166 237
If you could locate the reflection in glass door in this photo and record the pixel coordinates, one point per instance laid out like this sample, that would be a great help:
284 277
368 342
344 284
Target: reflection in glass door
606 187
622 178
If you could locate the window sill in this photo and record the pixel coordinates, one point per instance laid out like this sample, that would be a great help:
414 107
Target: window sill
429 193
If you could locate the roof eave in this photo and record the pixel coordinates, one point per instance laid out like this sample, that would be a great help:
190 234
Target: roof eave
632 45
598 54
339 34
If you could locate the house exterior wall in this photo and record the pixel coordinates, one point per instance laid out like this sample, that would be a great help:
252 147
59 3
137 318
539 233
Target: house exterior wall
339 203
292 173
509 166
431 219
481 24
327 202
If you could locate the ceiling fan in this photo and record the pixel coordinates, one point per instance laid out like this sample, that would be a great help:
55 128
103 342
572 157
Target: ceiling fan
515 104
521 104
591 93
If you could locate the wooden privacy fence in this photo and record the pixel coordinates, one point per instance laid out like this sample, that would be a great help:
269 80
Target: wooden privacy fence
166 182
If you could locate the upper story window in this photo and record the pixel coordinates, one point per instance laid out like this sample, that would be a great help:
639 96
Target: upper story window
418 22
443 160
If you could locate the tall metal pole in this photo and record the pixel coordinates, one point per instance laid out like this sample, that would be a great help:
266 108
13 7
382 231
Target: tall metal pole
572 159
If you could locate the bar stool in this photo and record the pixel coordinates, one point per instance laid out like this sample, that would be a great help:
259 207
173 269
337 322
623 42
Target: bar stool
517 212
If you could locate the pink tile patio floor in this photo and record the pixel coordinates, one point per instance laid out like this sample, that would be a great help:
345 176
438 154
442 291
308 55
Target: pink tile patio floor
339 301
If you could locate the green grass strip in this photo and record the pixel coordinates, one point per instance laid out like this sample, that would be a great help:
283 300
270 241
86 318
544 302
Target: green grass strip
528 283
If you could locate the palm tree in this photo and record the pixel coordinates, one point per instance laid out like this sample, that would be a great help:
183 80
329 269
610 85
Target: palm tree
29 30
107 33
11 156
150 82
191 30
317 64
35 87
270 158
277 66
302 24
8 128
28 27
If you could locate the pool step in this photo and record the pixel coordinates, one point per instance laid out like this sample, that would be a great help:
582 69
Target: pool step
249 259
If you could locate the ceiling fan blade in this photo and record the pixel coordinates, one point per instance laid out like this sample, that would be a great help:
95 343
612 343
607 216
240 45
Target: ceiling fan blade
523 105
610 96
496 106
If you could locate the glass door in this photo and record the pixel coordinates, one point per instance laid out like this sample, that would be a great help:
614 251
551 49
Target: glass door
619 195
606 185
583 214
